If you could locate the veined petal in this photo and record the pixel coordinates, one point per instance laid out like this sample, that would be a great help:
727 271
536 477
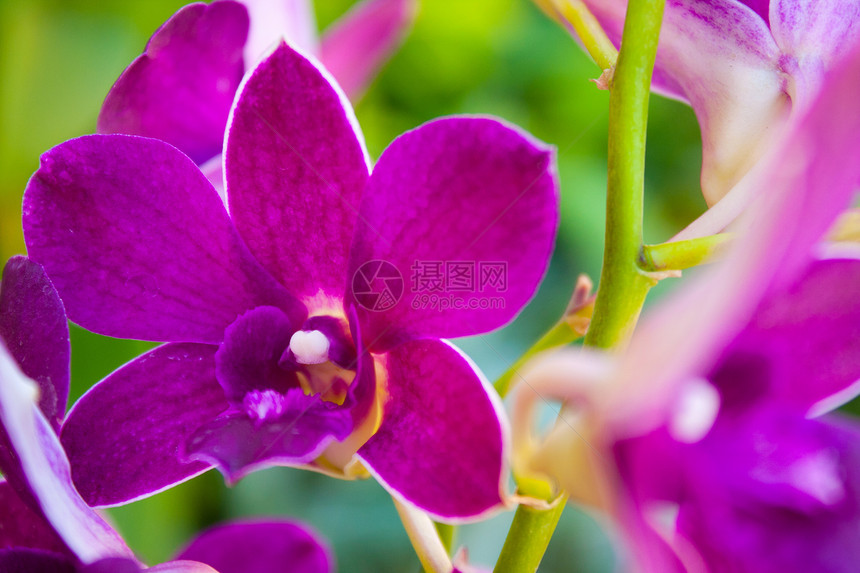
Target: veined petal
276 20
813 36
295 167
47 470
360 42
443 443
463 209
123 437
21 526
138 243
34 327
181 88
261 547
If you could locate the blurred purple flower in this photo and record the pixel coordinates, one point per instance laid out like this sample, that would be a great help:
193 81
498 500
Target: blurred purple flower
270 359
45 526
725 458
747 68
181 88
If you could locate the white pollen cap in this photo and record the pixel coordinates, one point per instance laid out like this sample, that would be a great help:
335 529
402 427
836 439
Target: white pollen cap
310 346
695 412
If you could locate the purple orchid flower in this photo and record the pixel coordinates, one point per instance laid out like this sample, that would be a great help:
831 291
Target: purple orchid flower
747 67
45 525
181 88
278 354
724 457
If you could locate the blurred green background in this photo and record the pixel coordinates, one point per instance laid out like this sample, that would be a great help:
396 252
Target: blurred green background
58 58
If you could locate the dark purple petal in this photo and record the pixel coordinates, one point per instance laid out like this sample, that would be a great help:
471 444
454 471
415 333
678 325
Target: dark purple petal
138 243
760 7
181 89
47 471
261 547
112 565
279 430
295 168
442 443
33 325
21 526
34 561
465 193
806 338
123 436
248 358
359 43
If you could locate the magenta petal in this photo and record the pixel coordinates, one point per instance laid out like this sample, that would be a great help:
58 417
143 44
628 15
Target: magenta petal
112 565
261 547
34 561
466 193
248 358
443 442
181 89
809 334
33 325
21 526
239 444
359 43
124 435
295 168
138 243
47 470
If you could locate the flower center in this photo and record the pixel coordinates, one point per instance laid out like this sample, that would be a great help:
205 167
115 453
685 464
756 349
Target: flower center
310 346
262 405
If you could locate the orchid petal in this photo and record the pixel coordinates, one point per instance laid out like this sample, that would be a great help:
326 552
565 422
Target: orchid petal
183 567
33 325
467 191
360 42
809 334
181 88
239 444
138 243
112 565
248 358
47 469
34 561
276 20
814 36
23 527
123 436
443 417
295 167
266 547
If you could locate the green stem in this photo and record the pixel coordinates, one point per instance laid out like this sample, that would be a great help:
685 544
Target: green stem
447 533
680 255
623 285
528 538
558 335
575 15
